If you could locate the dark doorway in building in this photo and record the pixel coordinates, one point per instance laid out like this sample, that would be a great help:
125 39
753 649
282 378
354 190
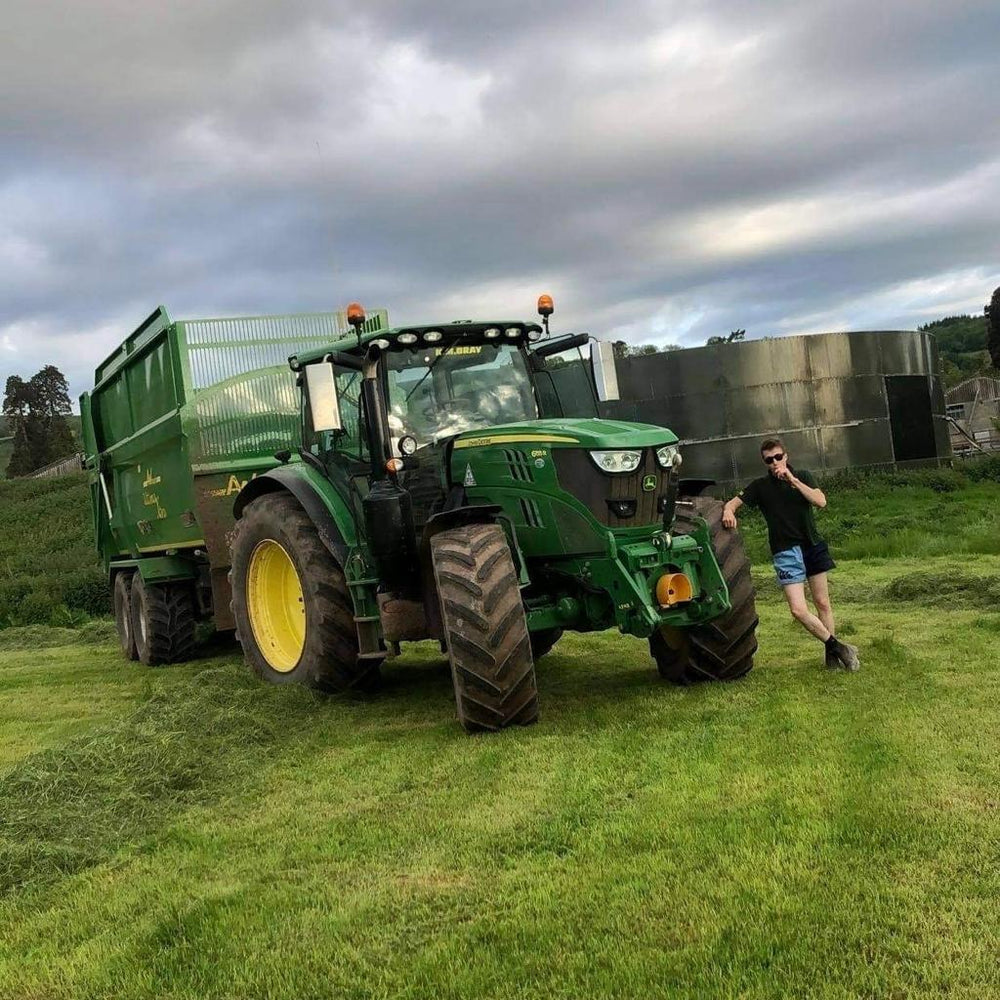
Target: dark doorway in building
910 417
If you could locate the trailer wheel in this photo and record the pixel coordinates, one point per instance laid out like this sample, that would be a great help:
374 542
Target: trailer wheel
489 648
122 594
294 614
723 649
163 619
543 640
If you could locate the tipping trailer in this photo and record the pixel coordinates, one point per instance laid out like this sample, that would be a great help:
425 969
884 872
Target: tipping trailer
330 487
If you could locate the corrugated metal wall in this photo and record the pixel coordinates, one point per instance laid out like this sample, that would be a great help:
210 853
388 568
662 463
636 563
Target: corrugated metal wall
837 400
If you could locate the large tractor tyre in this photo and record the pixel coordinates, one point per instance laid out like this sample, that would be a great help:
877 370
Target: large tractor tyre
122 595
485 628
543 640
723 649
163 619
294 614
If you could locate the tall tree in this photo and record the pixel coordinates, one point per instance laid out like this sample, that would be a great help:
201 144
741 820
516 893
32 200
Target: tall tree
17 409
992 312
36 412
51 400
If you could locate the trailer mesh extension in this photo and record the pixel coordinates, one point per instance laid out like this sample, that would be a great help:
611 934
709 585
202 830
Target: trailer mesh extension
244 398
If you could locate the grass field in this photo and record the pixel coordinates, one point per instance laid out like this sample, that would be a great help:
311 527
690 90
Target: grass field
186 832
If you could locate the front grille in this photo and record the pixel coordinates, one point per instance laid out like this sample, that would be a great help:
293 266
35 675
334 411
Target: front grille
580 476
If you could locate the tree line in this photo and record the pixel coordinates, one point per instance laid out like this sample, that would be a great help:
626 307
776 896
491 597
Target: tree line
36 410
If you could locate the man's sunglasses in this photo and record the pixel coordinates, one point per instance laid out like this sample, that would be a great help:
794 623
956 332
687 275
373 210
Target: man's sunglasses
768 459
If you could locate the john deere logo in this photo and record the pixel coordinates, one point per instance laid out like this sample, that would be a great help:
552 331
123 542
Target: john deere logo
648 483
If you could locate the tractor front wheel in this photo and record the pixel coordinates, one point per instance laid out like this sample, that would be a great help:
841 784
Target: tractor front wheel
294 615
723 649
488 644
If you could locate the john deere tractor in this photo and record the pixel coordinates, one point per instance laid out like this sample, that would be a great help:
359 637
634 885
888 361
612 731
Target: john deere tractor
446 481
455 482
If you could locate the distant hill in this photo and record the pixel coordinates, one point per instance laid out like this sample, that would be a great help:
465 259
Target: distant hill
961 344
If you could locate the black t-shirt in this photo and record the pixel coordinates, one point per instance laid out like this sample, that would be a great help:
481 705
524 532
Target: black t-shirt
789 515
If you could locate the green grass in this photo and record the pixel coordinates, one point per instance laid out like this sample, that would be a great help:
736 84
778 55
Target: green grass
48 566
878 519
187 832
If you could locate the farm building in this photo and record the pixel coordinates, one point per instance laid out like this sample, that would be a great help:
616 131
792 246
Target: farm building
973 409
838 400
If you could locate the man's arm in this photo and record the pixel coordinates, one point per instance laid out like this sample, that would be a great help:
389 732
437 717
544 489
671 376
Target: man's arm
729 512
812 493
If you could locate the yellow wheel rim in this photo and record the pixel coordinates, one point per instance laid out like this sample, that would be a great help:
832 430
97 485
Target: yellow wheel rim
275 605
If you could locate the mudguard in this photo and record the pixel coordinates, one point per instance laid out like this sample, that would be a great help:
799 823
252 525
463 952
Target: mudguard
693 487
456 513
320 501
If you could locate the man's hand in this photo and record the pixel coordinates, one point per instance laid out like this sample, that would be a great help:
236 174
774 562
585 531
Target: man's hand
728 518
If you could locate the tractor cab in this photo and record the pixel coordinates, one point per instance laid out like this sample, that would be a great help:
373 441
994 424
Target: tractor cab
428 386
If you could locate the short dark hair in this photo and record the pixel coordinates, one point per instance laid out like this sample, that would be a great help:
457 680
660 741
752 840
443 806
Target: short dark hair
768 443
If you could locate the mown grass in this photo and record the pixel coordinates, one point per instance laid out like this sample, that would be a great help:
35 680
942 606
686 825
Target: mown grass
798 833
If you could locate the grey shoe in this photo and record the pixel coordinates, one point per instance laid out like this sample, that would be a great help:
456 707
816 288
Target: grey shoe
848 657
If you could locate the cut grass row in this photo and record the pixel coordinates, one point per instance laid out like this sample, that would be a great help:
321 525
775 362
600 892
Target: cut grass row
799 833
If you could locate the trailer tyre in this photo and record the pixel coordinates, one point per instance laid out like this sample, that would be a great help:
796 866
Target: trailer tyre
492 667
723 649
122 594
294 614
163 620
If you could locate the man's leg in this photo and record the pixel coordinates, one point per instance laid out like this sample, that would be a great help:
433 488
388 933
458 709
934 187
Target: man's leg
795 595
819 587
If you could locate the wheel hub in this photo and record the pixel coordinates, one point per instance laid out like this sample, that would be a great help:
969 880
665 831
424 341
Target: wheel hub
275 605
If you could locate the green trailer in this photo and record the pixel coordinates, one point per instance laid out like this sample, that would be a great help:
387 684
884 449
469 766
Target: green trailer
329 487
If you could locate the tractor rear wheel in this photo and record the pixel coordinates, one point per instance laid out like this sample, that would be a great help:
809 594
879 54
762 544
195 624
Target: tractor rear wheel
723 649
294 614
543 640
163 621
123 614
492 668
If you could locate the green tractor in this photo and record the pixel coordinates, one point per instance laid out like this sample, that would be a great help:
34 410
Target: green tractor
456 482
451 482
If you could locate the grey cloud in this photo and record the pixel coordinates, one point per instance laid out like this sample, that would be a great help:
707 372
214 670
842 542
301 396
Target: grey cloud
669 171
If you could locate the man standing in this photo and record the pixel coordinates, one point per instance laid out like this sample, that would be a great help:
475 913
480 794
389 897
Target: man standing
786 498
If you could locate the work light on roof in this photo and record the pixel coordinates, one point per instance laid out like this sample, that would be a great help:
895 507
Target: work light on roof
491 332
432 336
512 332
534 335
407 338
355 314
382 344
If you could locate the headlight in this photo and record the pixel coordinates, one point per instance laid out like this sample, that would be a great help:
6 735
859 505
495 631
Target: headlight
669 455
617 461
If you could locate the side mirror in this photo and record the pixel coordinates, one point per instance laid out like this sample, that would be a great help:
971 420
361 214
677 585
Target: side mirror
602 360
321 388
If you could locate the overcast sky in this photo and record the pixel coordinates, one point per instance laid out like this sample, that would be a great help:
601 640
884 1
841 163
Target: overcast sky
667 171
